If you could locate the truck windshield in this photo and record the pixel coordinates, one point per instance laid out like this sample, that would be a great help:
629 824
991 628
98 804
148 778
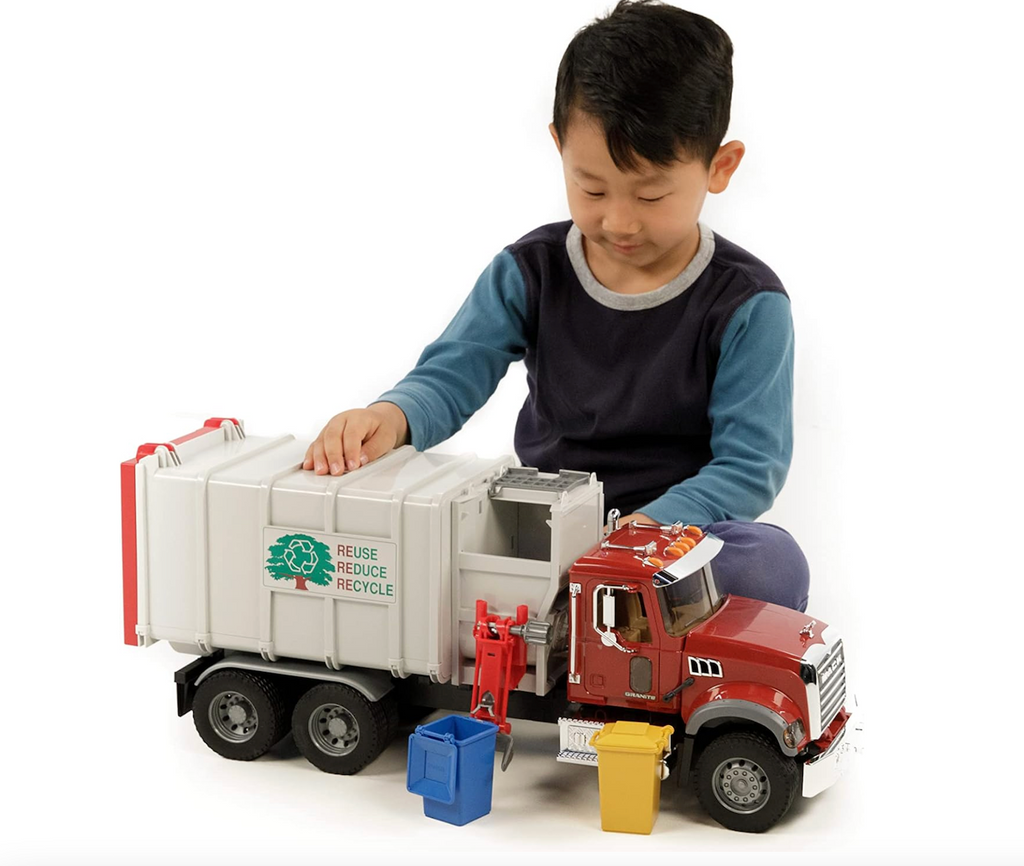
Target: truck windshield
684 601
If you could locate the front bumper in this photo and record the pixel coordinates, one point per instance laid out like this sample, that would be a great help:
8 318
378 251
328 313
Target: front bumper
824 769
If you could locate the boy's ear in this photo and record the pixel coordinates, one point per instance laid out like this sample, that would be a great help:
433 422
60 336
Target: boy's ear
554 135
726 161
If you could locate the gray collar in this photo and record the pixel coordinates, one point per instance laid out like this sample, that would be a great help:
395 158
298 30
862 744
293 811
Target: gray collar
644 300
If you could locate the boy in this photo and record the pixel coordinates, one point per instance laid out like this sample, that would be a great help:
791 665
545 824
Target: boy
659 355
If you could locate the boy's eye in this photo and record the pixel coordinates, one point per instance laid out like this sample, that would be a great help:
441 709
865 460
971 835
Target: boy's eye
599 194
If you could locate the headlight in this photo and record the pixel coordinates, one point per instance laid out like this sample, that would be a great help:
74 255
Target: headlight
793 734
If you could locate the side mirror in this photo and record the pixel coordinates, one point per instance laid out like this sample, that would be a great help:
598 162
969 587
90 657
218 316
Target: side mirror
608 609
604 615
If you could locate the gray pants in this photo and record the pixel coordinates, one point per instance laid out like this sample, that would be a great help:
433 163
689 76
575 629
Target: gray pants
760 561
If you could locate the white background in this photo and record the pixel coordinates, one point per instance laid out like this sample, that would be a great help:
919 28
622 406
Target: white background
267 210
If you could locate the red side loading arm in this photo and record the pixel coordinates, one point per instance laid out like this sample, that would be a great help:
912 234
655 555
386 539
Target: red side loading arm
501 660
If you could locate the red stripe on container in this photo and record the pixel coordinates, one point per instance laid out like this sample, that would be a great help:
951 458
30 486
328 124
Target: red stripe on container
193 435
129 552
216 422
209 425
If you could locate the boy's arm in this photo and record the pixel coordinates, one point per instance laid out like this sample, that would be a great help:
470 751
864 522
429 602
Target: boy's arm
458 372
751 413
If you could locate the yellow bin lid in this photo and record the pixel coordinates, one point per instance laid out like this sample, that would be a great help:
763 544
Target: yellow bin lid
632 737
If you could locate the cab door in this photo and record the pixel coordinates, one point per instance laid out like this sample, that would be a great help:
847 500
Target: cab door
621 654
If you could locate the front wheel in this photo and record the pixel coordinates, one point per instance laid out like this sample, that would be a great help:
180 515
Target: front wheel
745 783
338 730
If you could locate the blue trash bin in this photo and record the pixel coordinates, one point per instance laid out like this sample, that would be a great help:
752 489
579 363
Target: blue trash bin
451 765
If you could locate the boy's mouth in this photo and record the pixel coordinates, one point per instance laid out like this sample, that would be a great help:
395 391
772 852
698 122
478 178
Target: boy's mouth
626 248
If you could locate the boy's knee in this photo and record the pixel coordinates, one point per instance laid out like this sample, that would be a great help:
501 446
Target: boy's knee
763 561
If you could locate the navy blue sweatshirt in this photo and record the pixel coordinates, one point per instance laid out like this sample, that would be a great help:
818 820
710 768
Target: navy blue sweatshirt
680 398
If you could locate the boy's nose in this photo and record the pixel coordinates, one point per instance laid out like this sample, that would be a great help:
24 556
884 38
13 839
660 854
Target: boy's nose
620 221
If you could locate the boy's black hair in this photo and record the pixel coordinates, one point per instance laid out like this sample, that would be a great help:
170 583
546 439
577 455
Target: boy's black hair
657 78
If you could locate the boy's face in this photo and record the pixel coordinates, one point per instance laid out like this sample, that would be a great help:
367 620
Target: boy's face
640 225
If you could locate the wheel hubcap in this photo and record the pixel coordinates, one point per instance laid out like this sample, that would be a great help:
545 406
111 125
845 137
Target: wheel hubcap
233 717
334 730
741 785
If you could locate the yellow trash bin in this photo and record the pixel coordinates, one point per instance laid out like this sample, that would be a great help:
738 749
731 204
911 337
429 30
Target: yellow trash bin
629 771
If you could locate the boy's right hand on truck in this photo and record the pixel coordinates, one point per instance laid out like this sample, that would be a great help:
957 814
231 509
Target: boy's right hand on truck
356 437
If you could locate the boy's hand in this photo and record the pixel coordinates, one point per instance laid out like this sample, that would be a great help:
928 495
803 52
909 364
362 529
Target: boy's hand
354 438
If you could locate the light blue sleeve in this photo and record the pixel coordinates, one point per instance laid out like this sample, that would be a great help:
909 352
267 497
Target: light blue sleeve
751 414
458 372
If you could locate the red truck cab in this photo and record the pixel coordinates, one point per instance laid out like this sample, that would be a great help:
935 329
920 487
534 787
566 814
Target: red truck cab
760 689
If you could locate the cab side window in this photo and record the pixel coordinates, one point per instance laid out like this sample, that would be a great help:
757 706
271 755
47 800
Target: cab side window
631 617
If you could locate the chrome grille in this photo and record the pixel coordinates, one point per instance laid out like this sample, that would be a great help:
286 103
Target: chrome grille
832 684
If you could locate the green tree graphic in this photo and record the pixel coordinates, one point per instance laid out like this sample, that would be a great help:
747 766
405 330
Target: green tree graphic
302 558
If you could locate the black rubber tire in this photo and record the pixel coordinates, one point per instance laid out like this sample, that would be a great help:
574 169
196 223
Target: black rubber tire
390 704
409 713
260 693
746 749
371 718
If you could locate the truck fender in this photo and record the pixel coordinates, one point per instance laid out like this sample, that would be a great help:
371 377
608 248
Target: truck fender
750 702
372 685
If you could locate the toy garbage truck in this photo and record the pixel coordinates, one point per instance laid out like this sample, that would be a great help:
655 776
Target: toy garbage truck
321 604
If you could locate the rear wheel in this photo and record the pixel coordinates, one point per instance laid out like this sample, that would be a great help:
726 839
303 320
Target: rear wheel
390 704
339 730
239 715
745 783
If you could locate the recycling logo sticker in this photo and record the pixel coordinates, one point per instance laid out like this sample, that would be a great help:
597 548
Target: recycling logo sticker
300 556
320 563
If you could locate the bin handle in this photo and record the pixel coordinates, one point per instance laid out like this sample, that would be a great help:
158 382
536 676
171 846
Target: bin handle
435 735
